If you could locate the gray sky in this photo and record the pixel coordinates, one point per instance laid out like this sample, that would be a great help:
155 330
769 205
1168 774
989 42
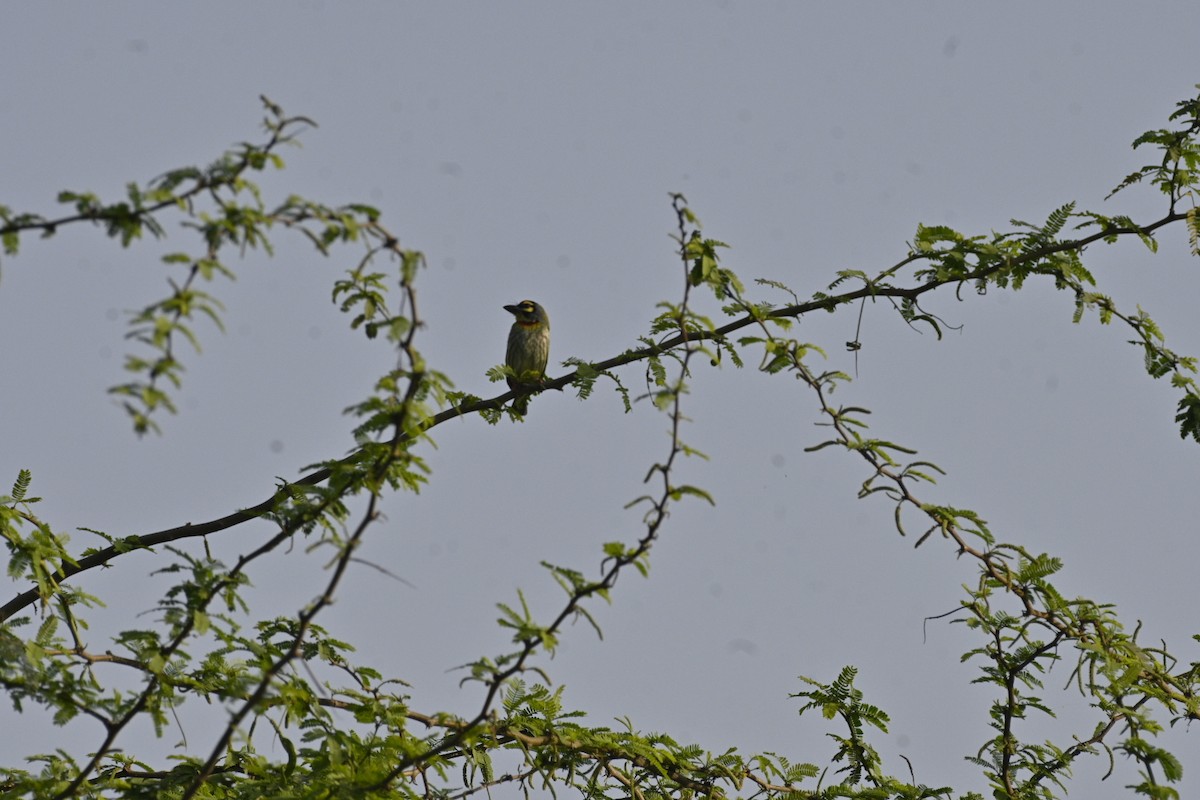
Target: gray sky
528 150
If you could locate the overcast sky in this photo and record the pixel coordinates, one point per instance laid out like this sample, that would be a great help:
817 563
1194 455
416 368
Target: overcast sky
528 150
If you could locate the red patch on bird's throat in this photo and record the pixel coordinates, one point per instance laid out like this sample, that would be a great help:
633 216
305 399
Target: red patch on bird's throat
525 324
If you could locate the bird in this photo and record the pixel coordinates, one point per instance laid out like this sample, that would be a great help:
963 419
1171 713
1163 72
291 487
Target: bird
528 349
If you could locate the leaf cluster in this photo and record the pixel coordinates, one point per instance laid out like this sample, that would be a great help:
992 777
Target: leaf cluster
305 720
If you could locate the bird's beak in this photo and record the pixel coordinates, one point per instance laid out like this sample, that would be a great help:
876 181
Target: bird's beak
512 310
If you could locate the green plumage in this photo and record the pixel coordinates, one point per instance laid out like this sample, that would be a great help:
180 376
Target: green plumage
528 349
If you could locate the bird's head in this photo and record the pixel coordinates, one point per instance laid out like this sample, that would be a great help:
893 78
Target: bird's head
529 313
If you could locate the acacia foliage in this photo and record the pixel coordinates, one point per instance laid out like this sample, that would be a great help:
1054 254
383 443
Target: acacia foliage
367 736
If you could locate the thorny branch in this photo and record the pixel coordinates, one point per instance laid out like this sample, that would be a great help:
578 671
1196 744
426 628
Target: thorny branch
190 530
